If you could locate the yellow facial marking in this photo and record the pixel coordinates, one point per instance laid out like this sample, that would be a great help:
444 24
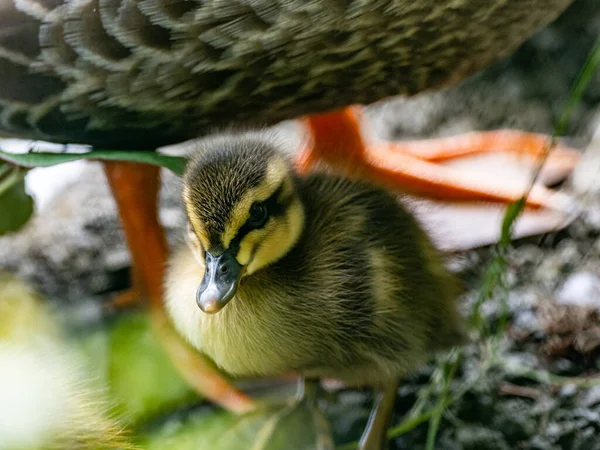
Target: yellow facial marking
197 223
263 247
199 230
248 244
195 245
276 172
198 236
260 247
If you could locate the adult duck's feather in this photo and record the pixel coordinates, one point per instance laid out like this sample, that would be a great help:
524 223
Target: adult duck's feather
140 74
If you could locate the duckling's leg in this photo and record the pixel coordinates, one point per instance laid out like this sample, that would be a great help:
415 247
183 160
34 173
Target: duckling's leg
135 189
308 389
375 434
414 166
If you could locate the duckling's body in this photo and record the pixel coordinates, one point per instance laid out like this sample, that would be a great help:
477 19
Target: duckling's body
361 297
339 281
316 274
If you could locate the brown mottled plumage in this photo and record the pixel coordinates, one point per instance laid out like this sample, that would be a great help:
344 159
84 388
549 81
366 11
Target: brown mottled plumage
335 279
144 73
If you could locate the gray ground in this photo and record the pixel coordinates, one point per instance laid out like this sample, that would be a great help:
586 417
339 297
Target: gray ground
75 251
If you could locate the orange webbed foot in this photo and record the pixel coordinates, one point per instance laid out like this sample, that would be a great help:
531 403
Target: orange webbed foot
452 169
422 167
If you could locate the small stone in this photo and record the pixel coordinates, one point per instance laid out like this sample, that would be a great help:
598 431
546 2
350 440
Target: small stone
515 363
172 217
568 390
116 259
514 418
522 299
592 217
562 366
527 320
586 439
581 289
569 252
481 438
585 179
86 312
540 443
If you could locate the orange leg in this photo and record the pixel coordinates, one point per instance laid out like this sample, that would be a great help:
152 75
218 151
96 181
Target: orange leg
135 189
413 166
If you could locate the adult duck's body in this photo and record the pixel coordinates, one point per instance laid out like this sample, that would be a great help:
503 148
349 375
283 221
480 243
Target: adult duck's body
141 74
127 74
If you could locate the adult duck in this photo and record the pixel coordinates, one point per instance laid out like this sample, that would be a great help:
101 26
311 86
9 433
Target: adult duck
140 74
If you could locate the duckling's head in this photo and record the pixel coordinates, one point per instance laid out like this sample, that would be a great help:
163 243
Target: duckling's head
244 211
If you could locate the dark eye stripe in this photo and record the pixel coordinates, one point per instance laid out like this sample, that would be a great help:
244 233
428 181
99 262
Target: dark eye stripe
276 207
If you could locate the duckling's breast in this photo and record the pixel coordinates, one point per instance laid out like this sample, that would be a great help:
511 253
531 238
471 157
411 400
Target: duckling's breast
256 333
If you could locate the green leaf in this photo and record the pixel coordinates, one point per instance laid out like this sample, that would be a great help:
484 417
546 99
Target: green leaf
299 425
16 206
131 363
141 377
44 159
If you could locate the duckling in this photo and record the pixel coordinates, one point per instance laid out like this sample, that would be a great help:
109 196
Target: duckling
316 274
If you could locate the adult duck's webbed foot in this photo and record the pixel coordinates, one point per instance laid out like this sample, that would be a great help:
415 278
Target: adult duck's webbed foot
135 189
427 167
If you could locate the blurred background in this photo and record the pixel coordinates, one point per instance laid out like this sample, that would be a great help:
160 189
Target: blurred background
532 385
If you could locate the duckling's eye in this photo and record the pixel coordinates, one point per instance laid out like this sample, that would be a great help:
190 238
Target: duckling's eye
258 215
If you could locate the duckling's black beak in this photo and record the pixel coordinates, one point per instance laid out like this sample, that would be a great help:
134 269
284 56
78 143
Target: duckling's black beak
220 282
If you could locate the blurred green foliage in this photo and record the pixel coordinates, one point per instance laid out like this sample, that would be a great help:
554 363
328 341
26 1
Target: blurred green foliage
16 206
